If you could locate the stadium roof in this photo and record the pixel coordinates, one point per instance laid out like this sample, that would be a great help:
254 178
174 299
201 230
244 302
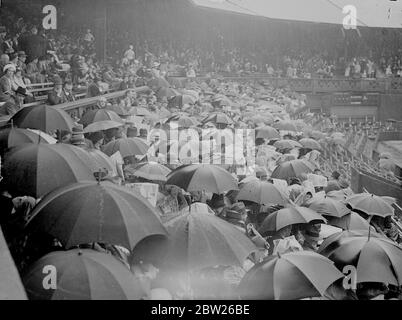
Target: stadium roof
370 13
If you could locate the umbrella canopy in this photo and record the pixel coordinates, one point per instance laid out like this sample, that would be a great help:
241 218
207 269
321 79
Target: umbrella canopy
287 144
199 177
351 221
198 240
285 125
317 135
292 169
310 144
187 122
152 171
267 132
102 125
371 204
376 259
290 276
218 118
44 118
333 240
95 160
328 207
119 110
11 286
197 207
340 195
126 146
262 192
89 212
102 161
12 137
92 116
36 169
290 216
83 275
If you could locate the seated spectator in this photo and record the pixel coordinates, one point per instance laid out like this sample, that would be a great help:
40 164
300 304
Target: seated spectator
6 84
57 95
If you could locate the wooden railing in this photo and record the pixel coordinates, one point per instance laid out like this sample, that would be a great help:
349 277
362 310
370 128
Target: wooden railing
77 108
317 85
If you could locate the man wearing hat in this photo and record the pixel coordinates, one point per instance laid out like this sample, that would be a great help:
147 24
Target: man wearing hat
77 136
57 95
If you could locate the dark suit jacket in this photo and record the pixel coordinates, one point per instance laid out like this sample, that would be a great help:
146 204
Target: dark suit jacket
53 98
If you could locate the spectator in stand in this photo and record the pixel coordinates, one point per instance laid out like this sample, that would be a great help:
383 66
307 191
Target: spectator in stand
32 71
129 55
33 44
3 33
68 91
6 84
4 60
94 88
22 57
57 95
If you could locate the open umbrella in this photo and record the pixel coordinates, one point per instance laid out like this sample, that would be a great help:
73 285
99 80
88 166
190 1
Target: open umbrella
198 240
285 125
102 125
89 212
36 169
267 132
371 204
44 118
11 286
12 137
333 240
102 161
197 207
126 146
200 177
292 169
218 118
187 122
261 192
151 171
290 276
287 144
290 216
316 135
328 207
310 144
92 116
376 259
350 221
82 275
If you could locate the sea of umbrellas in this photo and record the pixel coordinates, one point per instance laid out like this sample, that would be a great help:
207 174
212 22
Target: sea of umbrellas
282 228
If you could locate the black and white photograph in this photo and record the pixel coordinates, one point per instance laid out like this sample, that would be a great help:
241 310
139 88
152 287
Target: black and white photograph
224 151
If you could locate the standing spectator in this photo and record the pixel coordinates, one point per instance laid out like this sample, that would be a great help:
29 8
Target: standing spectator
130 54
33 45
